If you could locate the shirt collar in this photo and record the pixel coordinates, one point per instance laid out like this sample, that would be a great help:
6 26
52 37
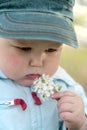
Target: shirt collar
2 75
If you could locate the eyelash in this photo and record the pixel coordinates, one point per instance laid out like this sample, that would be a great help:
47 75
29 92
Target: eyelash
51 50
29 49
25 48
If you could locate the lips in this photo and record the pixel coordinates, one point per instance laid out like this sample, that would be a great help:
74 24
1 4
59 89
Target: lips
32 76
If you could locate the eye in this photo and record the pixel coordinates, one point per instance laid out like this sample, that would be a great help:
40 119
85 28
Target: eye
25 48
51 50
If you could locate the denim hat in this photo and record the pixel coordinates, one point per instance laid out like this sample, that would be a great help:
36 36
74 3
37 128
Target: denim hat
38 20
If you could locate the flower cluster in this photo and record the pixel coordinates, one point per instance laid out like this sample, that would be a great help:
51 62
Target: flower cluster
45 87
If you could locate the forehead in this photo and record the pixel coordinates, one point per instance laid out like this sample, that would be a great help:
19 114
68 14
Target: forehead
30 42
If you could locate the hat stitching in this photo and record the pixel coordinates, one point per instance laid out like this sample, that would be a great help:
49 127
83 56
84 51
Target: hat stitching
31 32
39 12
36 23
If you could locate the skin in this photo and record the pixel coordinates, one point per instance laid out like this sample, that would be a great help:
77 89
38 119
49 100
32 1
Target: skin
21 58
71 110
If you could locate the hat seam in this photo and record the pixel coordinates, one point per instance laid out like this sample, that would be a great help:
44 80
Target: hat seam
32 32
38 23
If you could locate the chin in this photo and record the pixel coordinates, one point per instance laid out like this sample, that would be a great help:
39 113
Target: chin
26 84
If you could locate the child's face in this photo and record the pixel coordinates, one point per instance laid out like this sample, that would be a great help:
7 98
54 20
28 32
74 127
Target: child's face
25 60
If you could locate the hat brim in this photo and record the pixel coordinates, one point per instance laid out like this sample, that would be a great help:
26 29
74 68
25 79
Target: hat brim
37 26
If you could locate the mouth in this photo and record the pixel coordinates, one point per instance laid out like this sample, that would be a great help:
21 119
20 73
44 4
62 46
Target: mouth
32 76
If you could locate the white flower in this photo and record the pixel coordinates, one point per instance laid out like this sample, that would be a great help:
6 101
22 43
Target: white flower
45 87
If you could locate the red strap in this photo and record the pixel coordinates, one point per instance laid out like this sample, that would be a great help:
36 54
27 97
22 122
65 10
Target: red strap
36 98
20 102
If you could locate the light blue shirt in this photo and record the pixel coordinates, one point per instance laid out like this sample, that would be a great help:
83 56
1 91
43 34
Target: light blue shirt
34 117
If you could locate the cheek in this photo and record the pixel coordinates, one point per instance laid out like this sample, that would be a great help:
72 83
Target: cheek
10 64
13 60
52 65
13 66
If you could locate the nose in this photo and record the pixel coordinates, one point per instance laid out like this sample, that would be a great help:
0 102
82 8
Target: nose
37 60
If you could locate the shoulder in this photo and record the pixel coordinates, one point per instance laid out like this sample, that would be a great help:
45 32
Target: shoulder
64 78
9 88
62 75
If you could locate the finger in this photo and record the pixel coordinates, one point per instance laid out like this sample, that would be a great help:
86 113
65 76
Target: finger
66 99
59 95
66 116
66 107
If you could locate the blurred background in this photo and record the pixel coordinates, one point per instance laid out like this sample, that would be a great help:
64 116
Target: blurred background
75 60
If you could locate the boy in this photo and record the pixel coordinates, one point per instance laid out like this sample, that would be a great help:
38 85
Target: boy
32 34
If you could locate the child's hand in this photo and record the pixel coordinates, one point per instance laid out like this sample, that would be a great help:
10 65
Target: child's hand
71 110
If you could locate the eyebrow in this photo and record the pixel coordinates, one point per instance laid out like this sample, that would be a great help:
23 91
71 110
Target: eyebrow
20 42
26 43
